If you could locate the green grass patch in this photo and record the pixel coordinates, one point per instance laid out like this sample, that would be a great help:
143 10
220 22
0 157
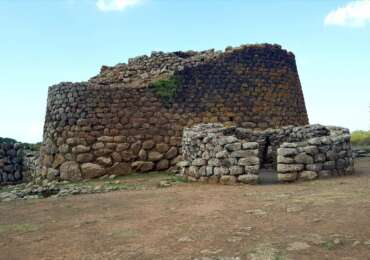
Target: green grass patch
22 228
360 138
279 257
126 233
166 89
177 179
329 245
32 147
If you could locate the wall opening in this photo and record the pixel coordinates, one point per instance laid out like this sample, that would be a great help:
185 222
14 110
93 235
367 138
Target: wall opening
268 173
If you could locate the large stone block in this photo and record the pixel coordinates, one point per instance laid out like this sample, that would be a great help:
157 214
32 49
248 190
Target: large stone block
92 170
70 171
228 180
80 149
141 166
308 175
287 151
248 178
287 177
236 170
154 156
249 161
84 157
163 164
303 158
289 167
244 153
120 169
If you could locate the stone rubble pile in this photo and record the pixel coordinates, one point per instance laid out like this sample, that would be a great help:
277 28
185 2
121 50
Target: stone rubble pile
142 69
56 189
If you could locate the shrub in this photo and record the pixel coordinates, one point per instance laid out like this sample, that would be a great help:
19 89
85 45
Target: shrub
166 89
360 138
32 147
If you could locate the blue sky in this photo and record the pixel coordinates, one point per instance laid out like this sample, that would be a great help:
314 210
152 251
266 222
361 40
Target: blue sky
43 42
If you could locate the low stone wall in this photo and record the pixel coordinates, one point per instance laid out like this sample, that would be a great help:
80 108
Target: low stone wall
316 157
11 157
215 153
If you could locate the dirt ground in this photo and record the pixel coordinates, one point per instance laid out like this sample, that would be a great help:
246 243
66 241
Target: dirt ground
322 219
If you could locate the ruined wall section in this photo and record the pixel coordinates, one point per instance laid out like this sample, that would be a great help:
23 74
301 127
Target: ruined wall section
313 157
217 154
11 158
115 123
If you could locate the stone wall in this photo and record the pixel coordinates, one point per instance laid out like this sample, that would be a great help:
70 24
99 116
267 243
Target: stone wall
11 155
215 153
117 123
320 156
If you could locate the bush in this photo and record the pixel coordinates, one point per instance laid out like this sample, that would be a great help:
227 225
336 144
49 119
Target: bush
166 89
32 147
360 138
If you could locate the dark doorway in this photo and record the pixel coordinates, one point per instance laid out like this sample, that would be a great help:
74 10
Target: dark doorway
267 173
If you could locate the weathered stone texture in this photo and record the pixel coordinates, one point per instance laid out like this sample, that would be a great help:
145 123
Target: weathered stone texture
11 161
237 154
114 117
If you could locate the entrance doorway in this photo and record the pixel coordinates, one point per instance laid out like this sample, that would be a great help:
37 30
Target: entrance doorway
268 173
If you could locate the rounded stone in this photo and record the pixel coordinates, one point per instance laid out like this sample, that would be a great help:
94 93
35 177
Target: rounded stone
154 156
120 169
80 149
303 158
142 166
104 161
70 171
219 171
289 167
236 170
171 153
287 177
308 175
135 147
162 165
149 144
228 180
116 157
84 157
162 147
198 162
92 170
248 178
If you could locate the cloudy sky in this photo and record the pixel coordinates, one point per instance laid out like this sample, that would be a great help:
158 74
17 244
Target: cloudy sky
44 42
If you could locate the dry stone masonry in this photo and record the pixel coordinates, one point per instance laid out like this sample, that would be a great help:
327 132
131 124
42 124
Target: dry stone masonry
117 122
215 153
18 163
11 161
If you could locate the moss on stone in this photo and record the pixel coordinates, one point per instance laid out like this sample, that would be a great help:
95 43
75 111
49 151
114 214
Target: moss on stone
166 89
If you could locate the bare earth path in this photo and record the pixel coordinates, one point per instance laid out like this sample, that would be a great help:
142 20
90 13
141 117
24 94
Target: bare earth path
325 219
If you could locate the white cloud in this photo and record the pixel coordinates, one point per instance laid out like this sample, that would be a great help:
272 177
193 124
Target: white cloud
354 14
115 5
